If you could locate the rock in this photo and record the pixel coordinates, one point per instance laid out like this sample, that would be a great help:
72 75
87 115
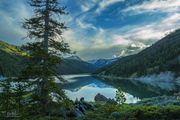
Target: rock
100 98
78 113
81 107
76 101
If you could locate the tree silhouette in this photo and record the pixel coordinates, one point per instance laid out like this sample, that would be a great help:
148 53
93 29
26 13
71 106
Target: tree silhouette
45 30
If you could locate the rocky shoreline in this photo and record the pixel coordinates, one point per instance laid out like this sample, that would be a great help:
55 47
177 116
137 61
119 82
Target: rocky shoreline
81 106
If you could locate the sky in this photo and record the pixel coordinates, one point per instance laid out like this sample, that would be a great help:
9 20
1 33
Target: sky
100 28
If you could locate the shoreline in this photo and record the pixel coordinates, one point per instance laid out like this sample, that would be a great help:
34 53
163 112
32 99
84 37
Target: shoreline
143 79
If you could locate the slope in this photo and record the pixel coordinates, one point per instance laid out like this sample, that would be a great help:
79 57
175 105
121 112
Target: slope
162 56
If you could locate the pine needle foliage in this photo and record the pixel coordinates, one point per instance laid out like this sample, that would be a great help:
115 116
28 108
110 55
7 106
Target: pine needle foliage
45 31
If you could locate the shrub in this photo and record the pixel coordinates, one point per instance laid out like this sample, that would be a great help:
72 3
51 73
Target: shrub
127 112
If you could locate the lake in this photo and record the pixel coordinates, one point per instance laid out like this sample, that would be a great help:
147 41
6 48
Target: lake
87 86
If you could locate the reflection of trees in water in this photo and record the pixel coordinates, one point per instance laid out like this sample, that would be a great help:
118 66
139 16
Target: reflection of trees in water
79 82
133 87
139 89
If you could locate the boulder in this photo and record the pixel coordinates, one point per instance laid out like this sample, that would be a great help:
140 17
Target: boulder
81 106
78 113
100 98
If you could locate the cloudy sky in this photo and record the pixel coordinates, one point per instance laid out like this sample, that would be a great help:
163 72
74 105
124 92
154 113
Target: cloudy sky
100 28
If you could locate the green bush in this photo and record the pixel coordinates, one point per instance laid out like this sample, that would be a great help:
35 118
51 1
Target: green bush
126 112
101 113
120 97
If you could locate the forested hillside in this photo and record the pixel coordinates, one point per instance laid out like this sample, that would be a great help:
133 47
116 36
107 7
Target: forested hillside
161 56
13 60
75 66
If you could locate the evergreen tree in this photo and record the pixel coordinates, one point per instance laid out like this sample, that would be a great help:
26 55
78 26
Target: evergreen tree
120 97
45 31
6 101
21 98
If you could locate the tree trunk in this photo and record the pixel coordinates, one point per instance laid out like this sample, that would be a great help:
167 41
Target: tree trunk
45 45
46 32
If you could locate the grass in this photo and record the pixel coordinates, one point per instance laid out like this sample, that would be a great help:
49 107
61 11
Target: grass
11 49
127 112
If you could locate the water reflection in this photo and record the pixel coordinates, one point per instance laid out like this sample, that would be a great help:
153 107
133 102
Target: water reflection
142 89
87 86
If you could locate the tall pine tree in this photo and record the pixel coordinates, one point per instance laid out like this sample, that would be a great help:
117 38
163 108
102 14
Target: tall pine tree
45 31
6 99
20 92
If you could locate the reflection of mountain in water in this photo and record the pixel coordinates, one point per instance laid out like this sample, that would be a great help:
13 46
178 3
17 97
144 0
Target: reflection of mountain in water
137 89
142 90
76 83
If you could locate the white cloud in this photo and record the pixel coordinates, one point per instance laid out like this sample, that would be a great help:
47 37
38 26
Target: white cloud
99 40
155 5
70 37
88 4
10 23
143 33
152 31
105 3
157 29
85 8
84 25
172 20
120 40
146 32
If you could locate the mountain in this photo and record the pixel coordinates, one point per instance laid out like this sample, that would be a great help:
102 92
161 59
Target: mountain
13 60
75 65
131 49
162 56
99 63
73 57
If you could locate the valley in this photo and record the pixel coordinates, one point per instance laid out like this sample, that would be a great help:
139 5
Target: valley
90 60
161 57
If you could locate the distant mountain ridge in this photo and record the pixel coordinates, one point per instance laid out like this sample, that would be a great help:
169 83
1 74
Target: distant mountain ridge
131 49
12 61
73 57
160 57
75 65
99 63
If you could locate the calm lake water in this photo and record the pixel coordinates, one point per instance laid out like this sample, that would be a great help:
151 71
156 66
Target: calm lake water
87 86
